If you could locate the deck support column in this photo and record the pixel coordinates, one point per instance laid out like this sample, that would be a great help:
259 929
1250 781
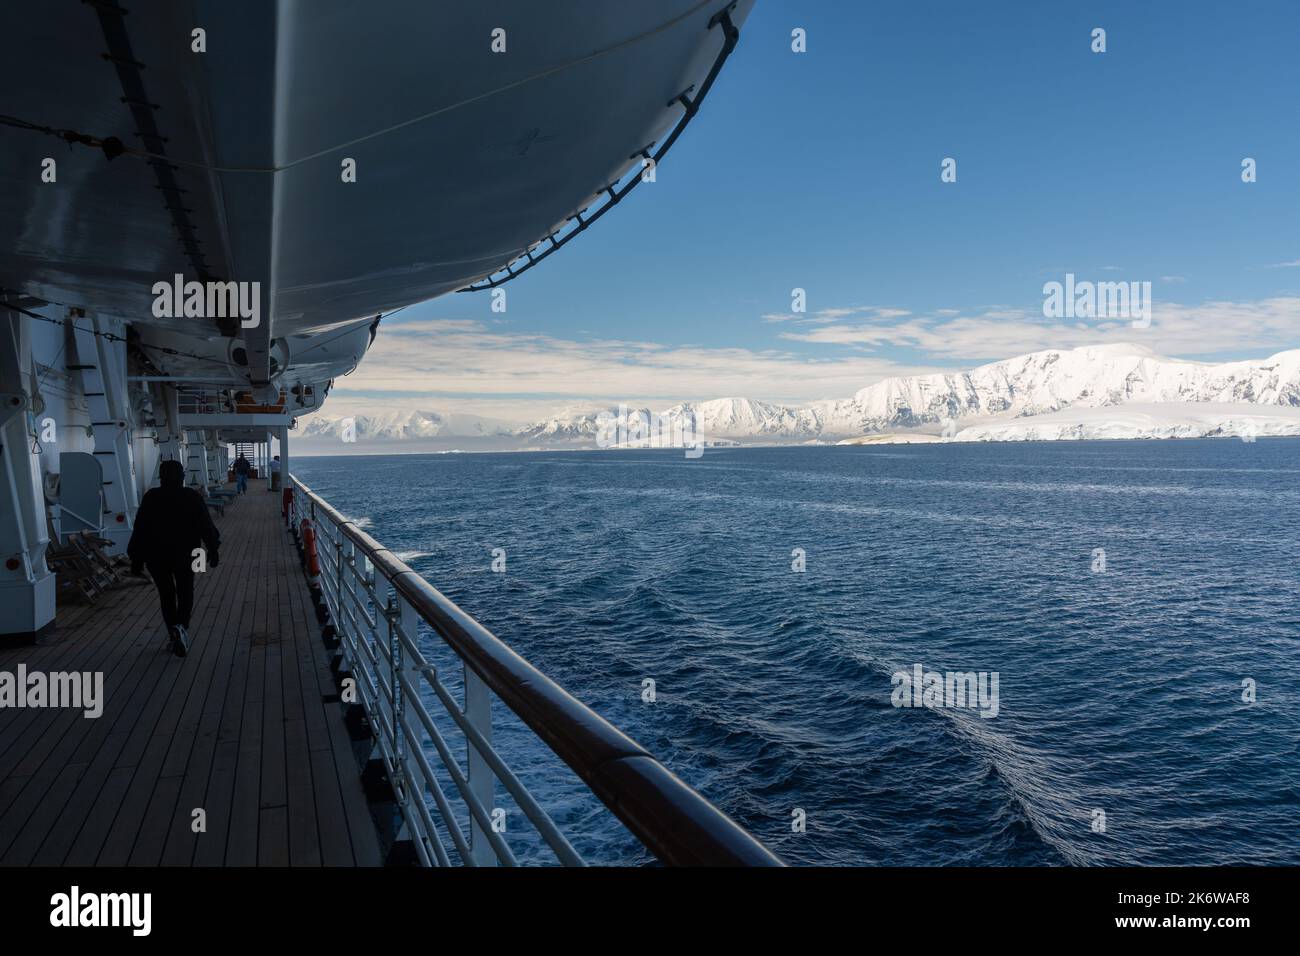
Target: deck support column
27 586
212 454
98 354
270 435
196 459
282 433
171 437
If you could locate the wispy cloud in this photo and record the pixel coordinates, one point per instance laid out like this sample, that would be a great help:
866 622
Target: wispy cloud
490 369
825 316
1269 324
1293 264
469 366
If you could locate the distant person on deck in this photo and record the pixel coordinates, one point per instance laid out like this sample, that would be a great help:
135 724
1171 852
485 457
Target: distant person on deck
173 522
275 473
242 468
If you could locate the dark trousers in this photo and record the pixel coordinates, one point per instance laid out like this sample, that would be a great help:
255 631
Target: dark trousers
175 582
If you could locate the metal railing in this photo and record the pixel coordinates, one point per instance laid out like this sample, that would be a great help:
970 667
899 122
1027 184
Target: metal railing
375 605
203 400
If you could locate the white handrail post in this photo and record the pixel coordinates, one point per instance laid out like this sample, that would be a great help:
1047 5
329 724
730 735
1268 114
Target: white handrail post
478 711
404 620
343 552
386 603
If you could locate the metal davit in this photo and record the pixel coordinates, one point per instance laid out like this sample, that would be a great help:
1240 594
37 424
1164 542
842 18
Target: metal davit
375 605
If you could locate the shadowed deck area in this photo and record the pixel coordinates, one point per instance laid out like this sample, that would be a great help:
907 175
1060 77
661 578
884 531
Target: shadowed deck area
241 728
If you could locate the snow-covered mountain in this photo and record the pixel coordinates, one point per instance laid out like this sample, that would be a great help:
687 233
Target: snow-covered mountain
578 425
721 418
743 418
1144 420
1039 396
402 426
1015 389
1049 381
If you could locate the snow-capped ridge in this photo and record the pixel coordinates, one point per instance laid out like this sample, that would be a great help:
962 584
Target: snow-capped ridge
1020 389
404 425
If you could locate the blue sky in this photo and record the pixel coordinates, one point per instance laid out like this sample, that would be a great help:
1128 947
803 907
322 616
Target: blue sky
821 170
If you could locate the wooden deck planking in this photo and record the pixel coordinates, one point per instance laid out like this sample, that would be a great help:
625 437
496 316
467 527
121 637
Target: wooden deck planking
241 727
16 743
57 748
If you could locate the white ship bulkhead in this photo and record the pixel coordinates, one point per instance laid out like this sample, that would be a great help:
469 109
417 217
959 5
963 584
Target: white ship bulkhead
474 134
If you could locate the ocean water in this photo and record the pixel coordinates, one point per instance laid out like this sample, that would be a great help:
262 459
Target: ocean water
1119 691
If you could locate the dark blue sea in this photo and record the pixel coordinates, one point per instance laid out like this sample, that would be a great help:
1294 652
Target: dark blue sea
1121 690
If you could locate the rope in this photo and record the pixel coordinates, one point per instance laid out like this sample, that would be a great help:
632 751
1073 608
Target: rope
117 338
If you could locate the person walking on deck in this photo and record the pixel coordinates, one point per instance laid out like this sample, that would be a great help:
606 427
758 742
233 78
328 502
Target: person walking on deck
275 473
242 468
172 523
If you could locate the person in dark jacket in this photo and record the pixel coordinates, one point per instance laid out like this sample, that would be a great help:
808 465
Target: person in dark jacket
172 523
242 468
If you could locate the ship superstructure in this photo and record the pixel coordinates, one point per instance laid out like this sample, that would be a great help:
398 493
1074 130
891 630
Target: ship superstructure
209 208
332 163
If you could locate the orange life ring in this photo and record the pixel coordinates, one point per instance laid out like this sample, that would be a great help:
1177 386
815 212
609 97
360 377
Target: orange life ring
309 548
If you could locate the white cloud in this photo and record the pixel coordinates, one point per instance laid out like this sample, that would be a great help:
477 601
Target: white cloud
466 366
1293 264
1267 325
488 369
827 316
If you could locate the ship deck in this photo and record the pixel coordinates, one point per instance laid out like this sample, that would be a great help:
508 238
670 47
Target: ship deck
241 728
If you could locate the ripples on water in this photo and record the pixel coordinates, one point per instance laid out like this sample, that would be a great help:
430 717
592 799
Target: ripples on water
1118 691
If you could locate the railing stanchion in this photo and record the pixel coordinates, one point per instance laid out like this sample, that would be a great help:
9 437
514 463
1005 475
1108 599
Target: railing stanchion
384 592
408 621
344 622
478 710
404 621
382 598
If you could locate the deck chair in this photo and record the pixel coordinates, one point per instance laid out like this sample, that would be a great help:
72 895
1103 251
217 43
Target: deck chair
71 566
92 548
